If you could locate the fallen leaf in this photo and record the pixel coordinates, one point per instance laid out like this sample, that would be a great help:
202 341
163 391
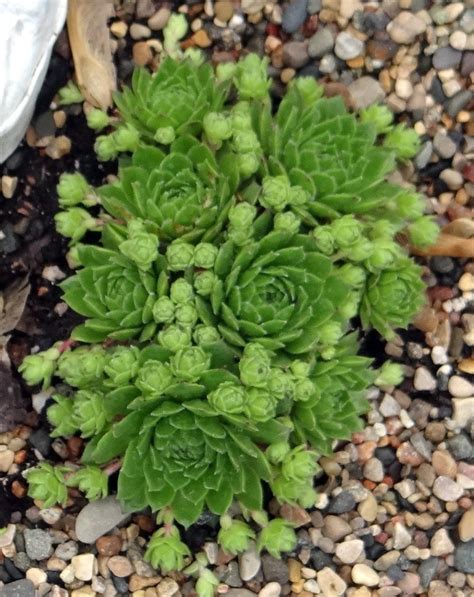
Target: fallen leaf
90 44
12 304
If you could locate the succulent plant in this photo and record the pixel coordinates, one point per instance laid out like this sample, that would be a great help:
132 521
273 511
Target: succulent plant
47 484
231 261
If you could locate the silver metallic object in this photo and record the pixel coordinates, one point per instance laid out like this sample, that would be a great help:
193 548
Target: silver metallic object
28 30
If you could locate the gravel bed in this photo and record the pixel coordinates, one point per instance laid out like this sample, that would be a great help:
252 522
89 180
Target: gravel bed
395 513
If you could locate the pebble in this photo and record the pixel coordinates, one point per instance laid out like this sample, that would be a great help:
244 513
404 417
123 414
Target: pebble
58 147
423 157
444 464
167 588
6 460
463 411
458 102
83 566
274 570
427 570
447 57
423 380
37 576
19 588
66 551
98 518
138 31
344 502
38 544
295 54
330 583
464 557
119 29
453 179
441 543
446 489
373 470
401 536
142 53
8 186
252 6
272 589
365 91
120 566
335 527
444 146
109 545
365 575
466 526
159 20
224 10
405 27
294 15
320 43
249 563
347 46
350 551
442 15
368 508
459 387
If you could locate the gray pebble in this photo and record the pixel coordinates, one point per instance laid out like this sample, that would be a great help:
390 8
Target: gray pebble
240 593
464 557
460 447
231 575
274 570
295 54
314 6
344 502
66 551
444 146
427 570
347 46
98 518
320 43
38 544
424 155
458 102
447 57
467 21
441 265
467 64
22 561
19 588
421 445
365 92
294 15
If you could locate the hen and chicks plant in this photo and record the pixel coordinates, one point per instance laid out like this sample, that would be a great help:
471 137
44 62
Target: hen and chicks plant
222 277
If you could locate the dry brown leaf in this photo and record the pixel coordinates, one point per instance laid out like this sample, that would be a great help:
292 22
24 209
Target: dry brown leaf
12 304
90 44
448 245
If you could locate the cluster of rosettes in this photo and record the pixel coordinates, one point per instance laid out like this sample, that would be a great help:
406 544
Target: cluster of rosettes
237 249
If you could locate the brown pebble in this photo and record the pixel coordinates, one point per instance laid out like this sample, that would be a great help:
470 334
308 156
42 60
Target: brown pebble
146 523
18 489
298 516
59 118
407 454
381 50
136 583
75 446
142 54
58 147
109 545
357 62
201 39
224 10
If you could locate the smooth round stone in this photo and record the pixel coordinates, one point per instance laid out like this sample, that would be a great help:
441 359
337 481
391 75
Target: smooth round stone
446 489
320 43
98 518
445 58
444 146
405 27
295 54
464 557
365 91
347 46
294 15
364 575
460 387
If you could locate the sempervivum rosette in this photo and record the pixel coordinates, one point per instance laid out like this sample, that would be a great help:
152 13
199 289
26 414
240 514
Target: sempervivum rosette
187 193
113 293
177 97
392 296
278 290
